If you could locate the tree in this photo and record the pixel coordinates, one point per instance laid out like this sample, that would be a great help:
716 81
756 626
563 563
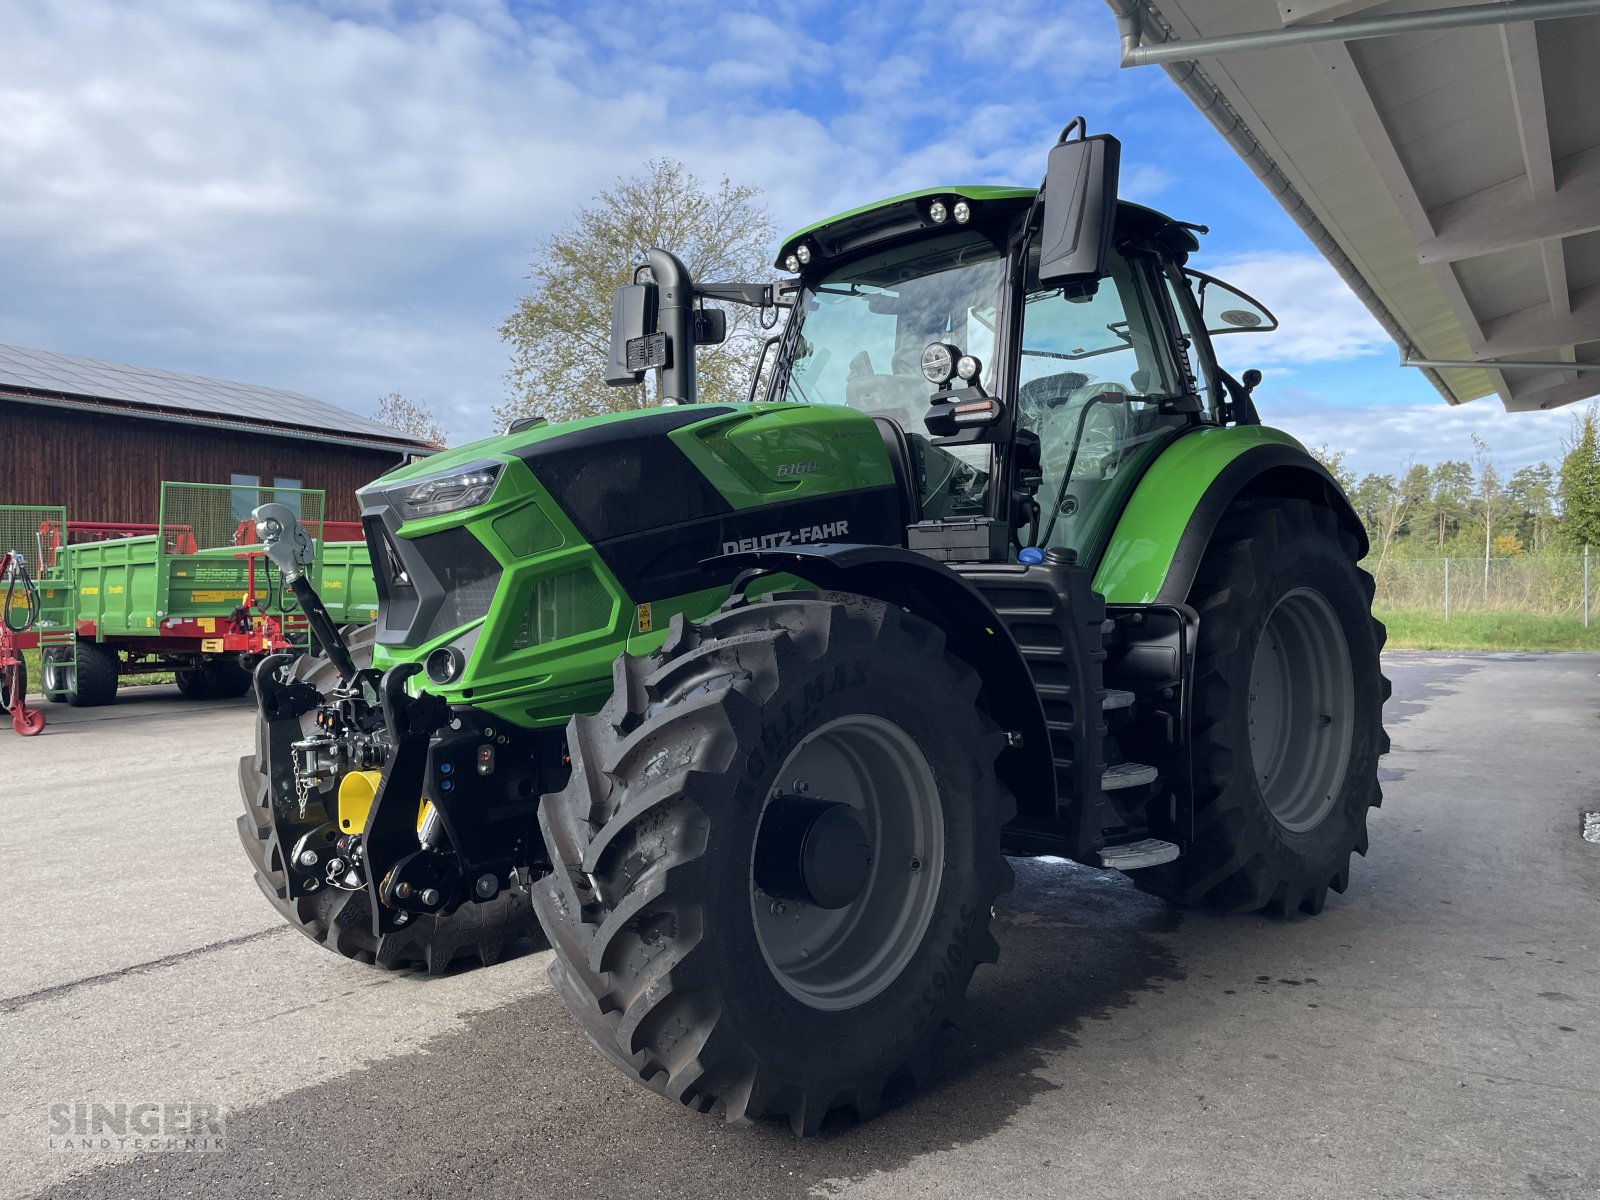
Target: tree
1580 481
1333 461
560 332
1489 496
413 416
1449 489
1385 504
1530 495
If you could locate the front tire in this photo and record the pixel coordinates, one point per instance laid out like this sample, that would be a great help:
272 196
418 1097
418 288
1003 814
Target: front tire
726 934
1287 714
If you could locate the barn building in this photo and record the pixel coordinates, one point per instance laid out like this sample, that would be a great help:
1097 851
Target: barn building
100 438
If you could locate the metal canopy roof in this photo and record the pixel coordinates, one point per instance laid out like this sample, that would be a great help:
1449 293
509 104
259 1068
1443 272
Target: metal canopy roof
1445 160
44 377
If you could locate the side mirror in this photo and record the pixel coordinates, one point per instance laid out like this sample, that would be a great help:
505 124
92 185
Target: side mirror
710 326
633 321
1080 207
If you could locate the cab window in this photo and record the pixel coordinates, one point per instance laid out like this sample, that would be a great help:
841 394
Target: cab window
1095 370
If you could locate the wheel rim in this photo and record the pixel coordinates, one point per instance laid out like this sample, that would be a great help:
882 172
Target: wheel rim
57 676
840 958
1302 709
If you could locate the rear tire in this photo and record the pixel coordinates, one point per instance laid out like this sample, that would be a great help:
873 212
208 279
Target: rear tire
684 968
90 684
1287 714
341 921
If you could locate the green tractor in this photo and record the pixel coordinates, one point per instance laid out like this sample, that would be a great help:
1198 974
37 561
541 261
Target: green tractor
745 705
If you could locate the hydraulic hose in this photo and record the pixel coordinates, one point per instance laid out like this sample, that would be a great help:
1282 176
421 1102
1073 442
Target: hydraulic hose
14 569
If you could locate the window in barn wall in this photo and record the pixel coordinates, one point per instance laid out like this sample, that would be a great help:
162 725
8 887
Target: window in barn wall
246 495
291 499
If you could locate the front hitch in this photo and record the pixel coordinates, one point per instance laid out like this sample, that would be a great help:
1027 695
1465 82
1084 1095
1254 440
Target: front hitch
292 551
403 875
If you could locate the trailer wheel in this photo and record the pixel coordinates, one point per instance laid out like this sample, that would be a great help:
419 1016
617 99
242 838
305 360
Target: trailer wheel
218 679
342 921
1287 714
89 684
776 856
193 684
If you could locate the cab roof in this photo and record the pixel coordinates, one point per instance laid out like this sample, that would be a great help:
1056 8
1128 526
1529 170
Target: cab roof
869 224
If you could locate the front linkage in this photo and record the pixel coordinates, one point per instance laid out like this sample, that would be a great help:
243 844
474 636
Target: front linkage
424 806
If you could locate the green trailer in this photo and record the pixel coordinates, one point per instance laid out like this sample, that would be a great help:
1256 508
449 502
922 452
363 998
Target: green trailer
192 594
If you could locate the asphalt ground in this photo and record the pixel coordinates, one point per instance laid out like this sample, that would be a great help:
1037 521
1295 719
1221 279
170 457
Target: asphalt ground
1434 1033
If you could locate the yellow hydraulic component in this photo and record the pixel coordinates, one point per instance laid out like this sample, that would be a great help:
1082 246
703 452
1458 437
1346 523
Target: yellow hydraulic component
357 790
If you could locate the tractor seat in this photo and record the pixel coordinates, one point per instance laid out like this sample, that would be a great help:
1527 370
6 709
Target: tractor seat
904 466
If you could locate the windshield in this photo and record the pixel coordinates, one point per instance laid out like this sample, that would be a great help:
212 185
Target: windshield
861 336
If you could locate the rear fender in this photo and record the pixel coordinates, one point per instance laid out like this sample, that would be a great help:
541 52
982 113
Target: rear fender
973 631
1163 532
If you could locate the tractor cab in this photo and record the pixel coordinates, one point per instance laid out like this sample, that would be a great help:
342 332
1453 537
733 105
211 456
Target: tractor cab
903 305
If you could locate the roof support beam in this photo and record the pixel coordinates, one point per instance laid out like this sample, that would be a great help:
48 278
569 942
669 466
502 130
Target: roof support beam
1521 49
1502 217
1135 55
1303 12
1344 77
1535 329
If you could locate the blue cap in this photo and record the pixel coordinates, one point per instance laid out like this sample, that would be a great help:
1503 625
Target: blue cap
1030 555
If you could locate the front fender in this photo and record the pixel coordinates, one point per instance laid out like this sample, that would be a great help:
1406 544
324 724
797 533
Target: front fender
1156 546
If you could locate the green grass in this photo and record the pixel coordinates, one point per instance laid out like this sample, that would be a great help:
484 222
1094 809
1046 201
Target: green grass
1412 630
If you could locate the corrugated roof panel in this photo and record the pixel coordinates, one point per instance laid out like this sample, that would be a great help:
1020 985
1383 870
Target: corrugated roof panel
46 371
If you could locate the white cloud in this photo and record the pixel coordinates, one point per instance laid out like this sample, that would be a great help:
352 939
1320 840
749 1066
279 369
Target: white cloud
1319 317
1380 438
341 196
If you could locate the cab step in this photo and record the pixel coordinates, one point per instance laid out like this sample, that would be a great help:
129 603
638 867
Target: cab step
1147 852
1116 698
1127 775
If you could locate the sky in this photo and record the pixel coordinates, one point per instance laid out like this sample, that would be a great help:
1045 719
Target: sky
342 197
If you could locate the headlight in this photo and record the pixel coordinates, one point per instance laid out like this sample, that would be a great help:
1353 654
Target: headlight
939 362
446 493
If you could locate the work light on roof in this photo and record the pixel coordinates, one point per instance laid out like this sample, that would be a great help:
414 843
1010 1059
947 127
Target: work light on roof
792 264
938 213
962 212
803 252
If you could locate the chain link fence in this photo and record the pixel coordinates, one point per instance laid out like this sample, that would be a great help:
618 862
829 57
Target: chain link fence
1551 585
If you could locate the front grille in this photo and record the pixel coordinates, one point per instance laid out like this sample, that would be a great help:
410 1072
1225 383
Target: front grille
430 585
466 571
